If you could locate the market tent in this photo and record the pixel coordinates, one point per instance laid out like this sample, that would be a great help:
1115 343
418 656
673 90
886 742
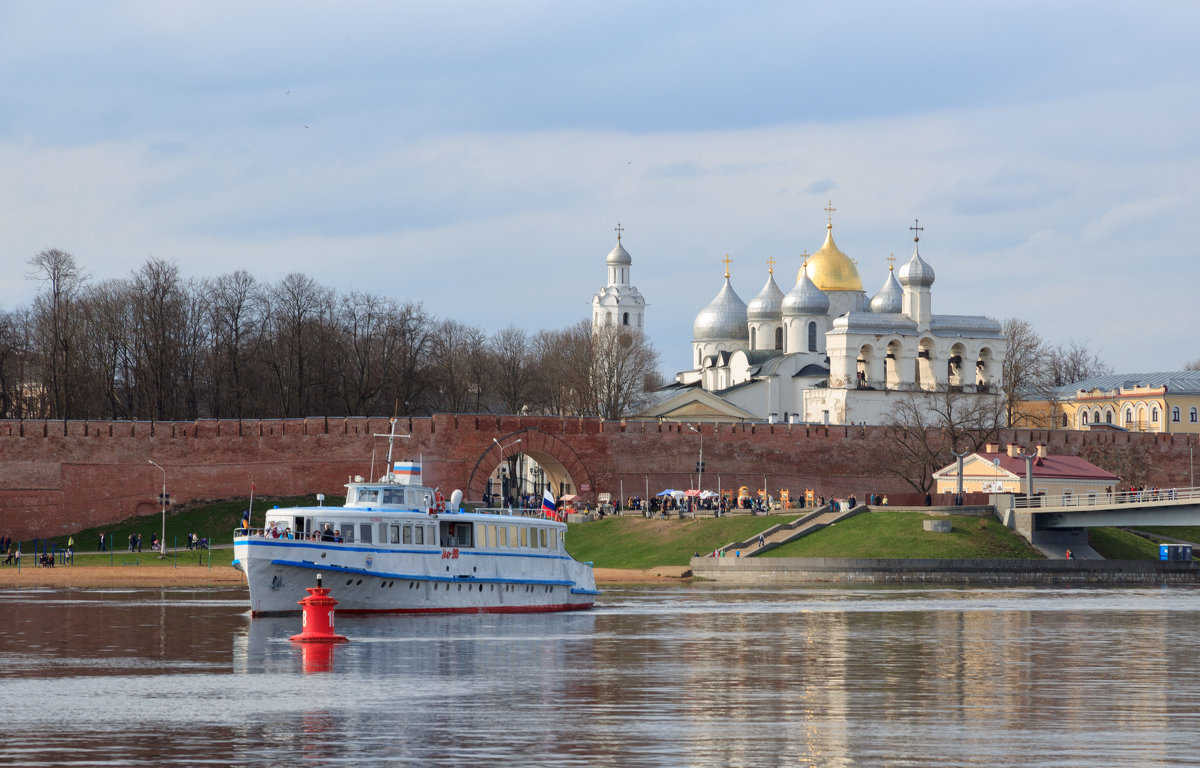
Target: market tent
667 492
708 494
691 492
568 497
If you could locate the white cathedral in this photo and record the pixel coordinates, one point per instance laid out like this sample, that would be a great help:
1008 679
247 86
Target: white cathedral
821 353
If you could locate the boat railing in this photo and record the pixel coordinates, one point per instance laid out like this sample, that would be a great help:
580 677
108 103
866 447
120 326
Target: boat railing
532 513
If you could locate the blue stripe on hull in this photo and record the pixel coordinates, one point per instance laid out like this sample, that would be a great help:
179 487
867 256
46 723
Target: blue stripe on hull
419 577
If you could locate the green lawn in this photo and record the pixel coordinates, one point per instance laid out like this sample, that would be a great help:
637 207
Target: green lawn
215 521
635 542
887 534
1115 544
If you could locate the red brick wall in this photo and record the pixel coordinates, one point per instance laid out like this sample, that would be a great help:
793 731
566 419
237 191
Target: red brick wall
56 477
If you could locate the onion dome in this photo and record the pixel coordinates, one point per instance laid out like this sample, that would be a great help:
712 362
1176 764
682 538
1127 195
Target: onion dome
619 256
890 299
830 269
768 304
917 271
724 319
806 298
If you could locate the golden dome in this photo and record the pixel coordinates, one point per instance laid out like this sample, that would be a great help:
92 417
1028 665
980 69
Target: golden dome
830 269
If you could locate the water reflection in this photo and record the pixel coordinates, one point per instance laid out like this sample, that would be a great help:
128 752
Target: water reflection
690 675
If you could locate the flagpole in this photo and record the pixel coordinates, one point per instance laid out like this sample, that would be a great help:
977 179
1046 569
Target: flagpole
250 513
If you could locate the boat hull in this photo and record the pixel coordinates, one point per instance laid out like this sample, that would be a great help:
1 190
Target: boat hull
366 579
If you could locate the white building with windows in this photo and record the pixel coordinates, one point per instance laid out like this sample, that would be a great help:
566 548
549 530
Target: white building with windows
826 353
618 303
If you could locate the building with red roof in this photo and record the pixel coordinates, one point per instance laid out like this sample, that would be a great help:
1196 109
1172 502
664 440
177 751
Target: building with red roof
993 470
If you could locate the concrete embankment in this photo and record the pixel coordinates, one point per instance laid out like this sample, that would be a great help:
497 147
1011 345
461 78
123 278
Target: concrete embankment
820 570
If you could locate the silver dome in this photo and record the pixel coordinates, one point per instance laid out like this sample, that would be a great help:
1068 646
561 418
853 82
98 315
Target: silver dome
768 304
916 272
890 298
724 319
806 298
619 256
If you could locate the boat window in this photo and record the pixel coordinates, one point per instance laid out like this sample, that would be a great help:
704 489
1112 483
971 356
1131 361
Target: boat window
364 533
418 534
465 534
368 495
502 530
345 531
533 537
524 536
542 537
408 534
395 537
393 496
490 532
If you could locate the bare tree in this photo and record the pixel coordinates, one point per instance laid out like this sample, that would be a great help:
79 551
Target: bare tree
296 308
623 361
1072 362
1025 372
514 369
235 305
56 329
1192 365
924 430
456 354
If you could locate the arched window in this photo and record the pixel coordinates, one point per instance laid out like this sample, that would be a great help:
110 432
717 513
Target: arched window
1128 415
1194 416
1108 416
1064 420
753 338
812 336
1083 418
625 319
1175 414
779 338
1154 415
608 318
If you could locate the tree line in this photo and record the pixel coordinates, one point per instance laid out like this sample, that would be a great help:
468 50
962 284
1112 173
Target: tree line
158 346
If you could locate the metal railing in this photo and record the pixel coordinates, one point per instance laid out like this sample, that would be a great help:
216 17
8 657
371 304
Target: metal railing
1164 496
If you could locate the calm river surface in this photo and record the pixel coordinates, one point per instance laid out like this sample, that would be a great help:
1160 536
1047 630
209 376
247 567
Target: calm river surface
692 675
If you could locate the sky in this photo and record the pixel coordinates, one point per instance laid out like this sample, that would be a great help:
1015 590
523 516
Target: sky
476 156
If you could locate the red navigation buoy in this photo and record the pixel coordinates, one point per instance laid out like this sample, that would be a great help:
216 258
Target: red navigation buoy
317 617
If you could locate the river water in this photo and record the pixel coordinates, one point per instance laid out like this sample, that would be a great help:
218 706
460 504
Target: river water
680 675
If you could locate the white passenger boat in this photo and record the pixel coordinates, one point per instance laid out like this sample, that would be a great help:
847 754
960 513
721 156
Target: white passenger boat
398 547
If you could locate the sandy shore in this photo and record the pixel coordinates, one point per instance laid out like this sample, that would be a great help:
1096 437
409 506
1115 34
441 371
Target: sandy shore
225 576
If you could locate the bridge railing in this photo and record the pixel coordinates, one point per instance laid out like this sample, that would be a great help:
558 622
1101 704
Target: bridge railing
1103 498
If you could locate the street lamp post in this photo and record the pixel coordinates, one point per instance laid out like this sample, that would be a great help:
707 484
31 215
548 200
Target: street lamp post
504 448
162 544
960 457
700 463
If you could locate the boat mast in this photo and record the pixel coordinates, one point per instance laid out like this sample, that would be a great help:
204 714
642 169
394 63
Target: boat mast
389 475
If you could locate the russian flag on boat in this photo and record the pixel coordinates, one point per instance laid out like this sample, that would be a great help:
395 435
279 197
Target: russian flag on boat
407 471
548 505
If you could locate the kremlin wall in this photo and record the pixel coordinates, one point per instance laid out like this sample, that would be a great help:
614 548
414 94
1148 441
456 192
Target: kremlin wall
57 477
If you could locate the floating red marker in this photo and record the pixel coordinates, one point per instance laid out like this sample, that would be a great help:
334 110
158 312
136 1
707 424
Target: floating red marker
317 617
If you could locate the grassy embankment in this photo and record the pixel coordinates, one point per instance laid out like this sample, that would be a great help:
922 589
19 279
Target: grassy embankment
638 543
215 521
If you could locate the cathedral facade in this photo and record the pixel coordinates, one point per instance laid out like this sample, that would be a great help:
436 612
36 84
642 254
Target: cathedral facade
825 352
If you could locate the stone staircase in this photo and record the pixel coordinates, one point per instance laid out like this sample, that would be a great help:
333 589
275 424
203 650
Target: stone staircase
801 526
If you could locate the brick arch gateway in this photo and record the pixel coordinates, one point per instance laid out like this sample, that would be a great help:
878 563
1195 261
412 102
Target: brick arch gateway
62 476
561 463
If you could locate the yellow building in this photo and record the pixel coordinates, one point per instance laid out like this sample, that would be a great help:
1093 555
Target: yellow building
1134 402
994 470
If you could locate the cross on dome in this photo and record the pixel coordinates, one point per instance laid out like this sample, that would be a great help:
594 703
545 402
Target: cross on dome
618 229
727 260
917 230
891 260
830 210
771 266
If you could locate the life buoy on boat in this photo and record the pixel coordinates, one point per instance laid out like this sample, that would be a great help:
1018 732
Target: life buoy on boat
441 502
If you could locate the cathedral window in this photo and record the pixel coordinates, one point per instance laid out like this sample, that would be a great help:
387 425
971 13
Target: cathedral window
812 336
625 319
753 338
779 339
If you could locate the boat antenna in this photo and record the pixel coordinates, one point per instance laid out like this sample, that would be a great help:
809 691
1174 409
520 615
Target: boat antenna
389 474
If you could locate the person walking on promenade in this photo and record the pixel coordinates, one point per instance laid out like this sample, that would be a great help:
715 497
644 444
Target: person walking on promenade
761 540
